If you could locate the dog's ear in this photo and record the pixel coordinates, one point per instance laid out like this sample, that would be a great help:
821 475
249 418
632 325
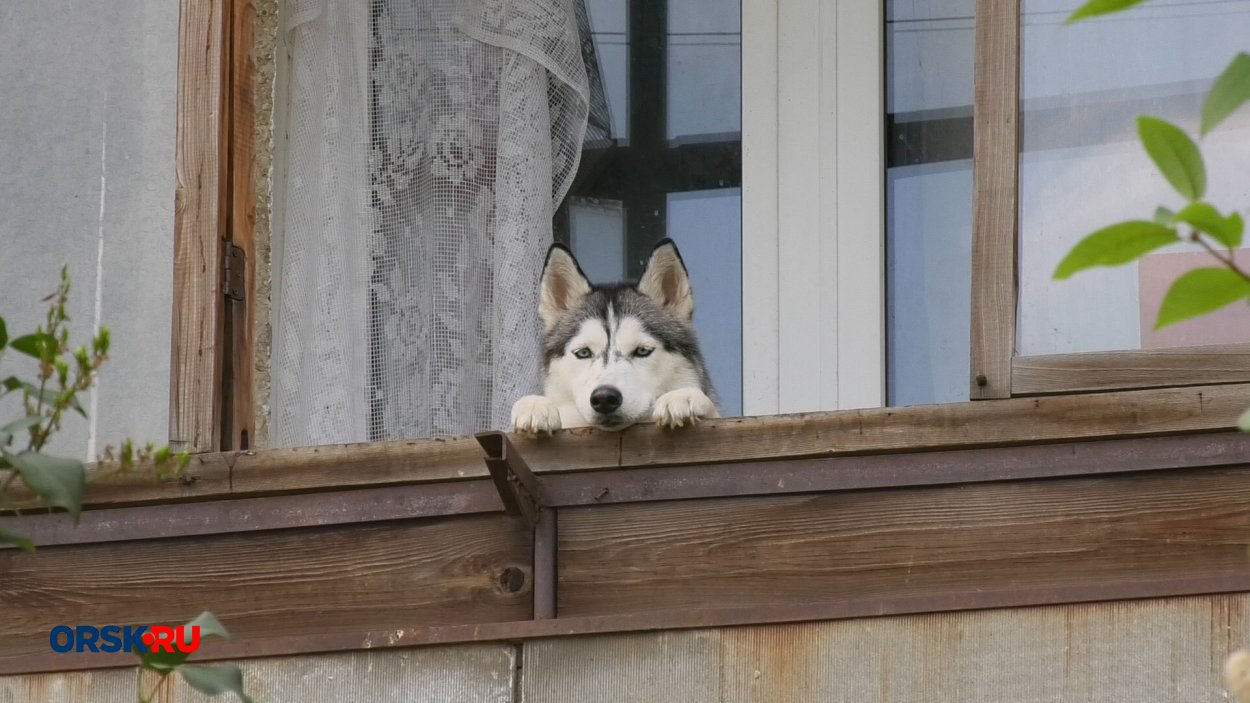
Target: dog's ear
666 282
563 285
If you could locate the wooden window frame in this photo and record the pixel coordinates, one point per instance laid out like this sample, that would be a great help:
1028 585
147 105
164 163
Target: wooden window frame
211 385
997 370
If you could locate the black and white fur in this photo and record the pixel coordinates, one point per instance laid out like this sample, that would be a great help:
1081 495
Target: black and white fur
615 355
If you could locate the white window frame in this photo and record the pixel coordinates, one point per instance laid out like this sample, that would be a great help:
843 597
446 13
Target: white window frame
813 202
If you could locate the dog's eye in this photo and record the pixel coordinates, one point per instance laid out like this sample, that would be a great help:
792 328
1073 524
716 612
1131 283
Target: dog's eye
643 351
583 353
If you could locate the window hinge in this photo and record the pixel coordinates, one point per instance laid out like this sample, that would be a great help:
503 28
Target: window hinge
234 267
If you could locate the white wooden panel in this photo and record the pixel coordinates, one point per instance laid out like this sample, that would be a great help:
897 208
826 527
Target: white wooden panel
799 243
760 360
813 184
860 280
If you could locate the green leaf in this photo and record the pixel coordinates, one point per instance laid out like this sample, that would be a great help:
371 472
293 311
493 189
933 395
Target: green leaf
1094 8
36 344
215 680
1175 154
1205 218
19 425
1231 89
4 334
1201 291
23 543
1115 245
59 482
209 625
1243 422
1164 216
162 661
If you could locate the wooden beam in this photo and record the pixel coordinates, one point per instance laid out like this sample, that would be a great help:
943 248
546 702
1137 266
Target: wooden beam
937 543
647 484
995 178
1010 422
278 583
199 225
238 405
1119 370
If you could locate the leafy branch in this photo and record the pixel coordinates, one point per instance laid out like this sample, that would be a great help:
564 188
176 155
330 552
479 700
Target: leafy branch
62 373
211 680
1179 158
57 482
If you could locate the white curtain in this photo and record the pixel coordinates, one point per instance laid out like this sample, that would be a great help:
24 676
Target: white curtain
429 143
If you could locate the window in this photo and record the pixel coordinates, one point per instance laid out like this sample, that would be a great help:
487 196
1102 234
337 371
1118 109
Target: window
1080 168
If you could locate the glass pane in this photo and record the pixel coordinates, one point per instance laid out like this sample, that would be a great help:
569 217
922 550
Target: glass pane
1082 167
928 199
704 80
707 226
609 25
597 235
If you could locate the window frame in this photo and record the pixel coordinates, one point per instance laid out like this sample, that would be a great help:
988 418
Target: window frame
211 404
997 371
813 210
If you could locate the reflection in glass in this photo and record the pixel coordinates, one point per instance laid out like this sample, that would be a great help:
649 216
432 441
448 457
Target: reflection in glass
1082 167
928 199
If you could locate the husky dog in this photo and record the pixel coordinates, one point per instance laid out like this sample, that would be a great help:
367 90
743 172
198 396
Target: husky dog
615 355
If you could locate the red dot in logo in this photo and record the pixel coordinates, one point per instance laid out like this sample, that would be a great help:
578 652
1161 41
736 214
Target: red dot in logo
149 638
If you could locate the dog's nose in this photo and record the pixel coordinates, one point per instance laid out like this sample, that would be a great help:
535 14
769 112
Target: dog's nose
605 399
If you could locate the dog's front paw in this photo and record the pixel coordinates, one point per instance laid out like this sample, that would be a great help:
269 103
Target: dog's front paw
534 415
684 405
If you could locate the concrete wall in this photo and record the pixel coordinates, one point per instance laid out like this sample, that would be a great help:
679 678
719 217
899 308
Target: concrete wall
87 126
1161 651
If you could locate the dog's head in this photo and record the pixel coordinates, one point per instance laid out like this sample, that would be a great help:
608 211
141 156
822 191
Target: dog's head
613 349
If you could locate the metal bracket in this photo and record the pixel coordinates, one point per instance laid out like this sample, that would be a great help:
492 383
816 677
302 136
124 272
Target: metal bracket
234 268
521 493
518 487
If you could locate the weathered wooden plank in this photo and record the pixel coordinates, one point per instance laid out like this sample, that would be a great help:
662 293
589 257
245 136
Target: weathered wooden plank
1153 650
483 673
116 686
1009 422
199 225
264 585
238 385
430 675
982 423
635 485
928 543
995 186
1119 370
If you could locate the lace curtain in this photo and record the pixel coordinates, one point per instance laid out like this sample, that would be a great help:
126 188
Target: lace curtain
429 144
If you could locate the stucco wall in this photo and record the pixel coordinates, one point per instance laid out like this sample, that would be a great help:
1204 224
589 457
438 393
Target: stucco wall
87 125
